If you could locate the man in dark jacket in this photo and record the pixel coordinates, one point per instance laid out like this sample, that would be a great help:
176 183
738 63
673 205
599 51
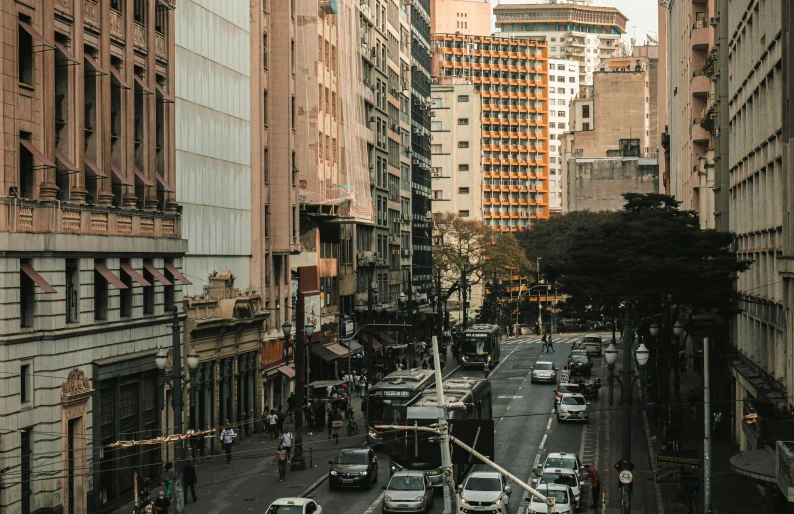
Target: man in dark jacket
189 479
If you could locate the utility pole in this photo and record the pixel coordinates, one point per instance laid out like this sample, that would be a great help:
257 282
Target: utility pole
298 461
443 431
625 460
706 427
176 403
368 350
439 318
464 291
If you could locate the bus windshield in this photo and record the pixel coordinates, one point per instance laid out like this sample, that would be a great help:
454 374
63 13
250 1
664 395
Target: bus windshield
386 409
478 346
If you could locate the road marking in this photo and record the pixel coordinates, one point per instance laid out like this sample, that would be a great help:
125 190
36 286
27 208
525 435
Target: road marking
537 461
508 408
543 441
375 505
581 444
548 425
511 397
500 419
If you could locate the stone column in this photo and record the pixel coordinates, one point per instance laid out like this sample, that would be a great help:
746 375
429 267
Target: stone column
75 393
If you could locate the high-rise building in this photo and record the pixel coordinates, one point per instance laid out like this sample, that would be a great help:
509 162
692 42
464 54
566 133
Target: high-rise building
563 88
92 247
467 17
511 77
574 30
692 65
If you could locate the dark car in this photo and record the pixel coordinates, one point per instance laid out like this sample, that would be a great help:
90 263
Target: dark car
356 467
580 365
565 388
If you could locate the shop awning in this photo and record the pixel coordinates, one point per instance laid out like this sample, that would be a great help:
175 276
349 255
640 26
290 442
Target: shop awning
317 384
756 464
177 274
109 276
134 275
338 349
66 53
323 353
287 371
117 78
354 347
386 338
93 64
141 84
41 40
163 96
33 275
157 274
270 372
376 345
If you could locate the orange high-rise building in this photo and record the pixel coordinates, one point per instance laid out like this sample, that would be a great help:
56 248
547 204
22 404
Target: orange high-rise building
511 76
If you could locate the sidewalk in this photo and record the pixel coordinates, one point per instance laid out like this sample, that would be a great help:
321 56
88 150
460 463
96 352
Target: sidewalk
731 492
251 482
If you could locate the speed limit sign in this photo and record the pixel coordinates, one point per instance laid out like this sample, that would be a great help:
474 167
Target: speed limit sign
626 477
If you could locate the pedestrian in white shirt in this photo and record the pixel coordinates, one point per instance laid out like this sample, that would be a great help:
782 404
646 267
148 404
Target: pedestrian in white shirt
286 440
227 439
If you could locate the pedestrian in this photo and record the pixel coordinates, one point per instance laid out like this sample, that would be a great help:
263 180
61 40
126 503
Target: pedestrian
424 364
280 419
717 423
282 457
330 421
550 344
291 404
286 440
330 390
362 385
693 402
168 478
336 423
227 439
543 346
272 420
595 485
189 479
162 504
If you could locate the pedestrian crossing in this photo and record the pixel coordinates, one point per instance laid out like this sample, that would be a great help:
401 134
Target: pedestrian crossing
533 339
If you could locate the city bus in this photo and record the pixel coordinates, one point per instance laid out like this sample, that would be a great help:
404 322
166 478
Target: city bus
480 346
388 399
420 451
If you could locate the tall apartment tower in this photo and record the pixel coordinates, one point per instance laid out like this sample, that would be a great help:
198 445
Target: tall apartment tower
574 30
563 88
92 246
692 127
511 78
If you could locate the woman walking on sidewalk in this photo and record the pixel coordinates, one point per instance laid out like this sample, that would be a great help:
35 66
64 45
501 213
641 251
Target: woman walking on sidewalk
282 457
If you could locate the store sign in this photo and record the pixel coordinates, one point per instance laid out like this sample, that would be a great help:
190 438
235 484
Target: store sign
311 311
393 394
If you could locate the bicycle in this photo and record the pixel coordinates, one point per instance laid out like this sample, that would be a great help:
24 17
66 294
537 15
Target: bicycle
352 426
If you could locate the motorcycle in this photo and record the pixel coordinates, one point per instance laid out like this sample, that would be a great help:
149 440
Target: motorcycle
590 391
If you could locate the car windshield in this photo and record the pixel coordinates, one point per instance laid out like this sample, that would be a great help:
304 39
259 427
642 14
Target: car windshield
573 400
543 366
483 484
352 458
569 389
591 340
560 462
579 359
560 496
559 478
406 484
285 509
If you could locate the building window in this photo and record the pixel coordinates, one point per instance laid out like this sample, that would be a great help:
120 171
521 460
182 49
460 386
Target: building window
27 298
560 114
125 295
148 292
265 51
169 295
100 295
463 121
585 126
585 111
24 54
140 11
72 291
571 79
435 148
117 5
25 389
463 144
264 108
292 113
463 214
463 167
463 98
26 454
463 190
435 126
292 56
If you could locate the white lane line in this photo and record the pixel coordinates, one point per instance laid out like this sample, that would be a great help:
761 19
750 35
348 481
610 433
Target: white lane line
537 461
543 441
500 364
375 505
500 419
548 425
508 407
581 444
515 378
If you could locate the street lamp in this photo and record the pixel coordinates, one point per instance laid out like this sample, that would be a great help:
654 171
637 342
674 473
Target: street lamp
677 328
298 462
654 330
611 356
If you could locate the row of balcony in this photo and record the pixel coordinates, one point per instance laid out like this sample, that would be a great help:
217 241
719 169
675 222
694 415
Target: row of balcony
510 82
514 121
507 175
487 188
512 135
510 148
507 94
513 108
487 43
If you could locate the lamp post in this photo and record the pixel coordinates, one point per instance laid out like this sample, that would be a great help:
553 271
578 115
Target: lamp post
175 375
298 461
677 329
611 357
654 330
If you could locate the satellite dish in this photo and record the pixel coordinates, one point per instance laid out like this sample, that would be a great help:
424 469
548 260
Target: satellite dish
652 39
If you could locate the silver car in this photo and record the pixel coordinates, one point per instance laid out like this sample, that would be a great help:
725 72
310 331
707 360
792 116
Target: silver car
485 491
408 491
543 371
573 407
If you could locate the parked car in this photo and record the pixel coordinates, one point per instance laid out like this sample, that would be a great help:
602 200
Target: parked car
356 467
485 491
563 460
573 407
592 344
562 494
543 371
407 491
580 365
294 506
563 477
565 388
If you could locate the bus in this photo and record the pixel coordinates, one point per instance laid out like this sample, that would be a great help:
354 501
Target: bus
420 451
480 346
387 400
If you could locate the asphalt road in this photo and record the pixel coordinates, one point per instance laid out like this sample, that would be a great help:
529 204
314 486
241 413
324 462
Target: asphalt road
526 429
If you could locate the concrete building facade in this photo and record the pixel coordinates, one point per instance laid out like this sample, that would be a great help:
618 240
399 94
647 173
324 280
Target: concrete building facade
511 76
468 17
91 247
563 89
574 30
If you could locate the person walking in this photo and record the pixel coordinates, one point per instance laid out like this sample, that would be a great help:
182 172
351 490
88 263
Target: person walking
693 404
272 421
550 345
595 485
336 423
168 478
330 421
286 441
291 405
717 422
162 504
282 457
362 384
543 340
280 419
189 479
227 439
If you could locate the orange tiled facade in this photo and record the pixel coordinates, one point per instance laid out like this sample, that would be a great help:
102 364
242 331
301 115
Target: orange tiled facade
512 78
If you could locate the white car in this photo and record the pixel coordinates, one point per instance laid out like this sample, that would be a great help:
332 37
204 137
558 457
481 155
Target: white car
573 407
562 494
485 491
563 460
560 476
294 506
543 371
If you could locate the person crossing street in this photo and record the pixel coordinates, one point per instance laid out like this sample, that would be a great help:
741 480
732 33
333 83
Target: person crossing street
227 439
286 441
282 457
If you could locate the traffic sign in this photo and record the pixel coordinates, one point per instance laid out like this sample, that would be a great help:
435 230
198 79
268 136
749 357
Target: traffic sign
626 477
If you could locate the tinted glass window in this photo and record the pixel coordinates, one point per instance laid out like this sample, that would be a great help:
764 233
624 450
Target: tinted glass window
406 484
352 458
573 400
483 484
543 367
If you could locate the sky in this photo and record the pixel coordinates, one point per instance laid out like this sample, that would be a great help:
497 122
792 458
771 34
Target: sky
641 13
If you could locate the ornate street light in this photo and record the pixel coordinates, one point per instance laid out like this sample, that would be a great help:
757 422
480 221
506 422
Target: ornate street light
654 330
286 328
309 330
192 360
161 358
642 353
677 328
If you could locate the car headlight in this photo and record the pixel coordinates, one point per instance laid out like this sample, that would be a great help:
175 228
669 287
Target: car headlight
465 357
419 498
363 473
387 498
497 502
464 500
333 472
393 467
489 358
